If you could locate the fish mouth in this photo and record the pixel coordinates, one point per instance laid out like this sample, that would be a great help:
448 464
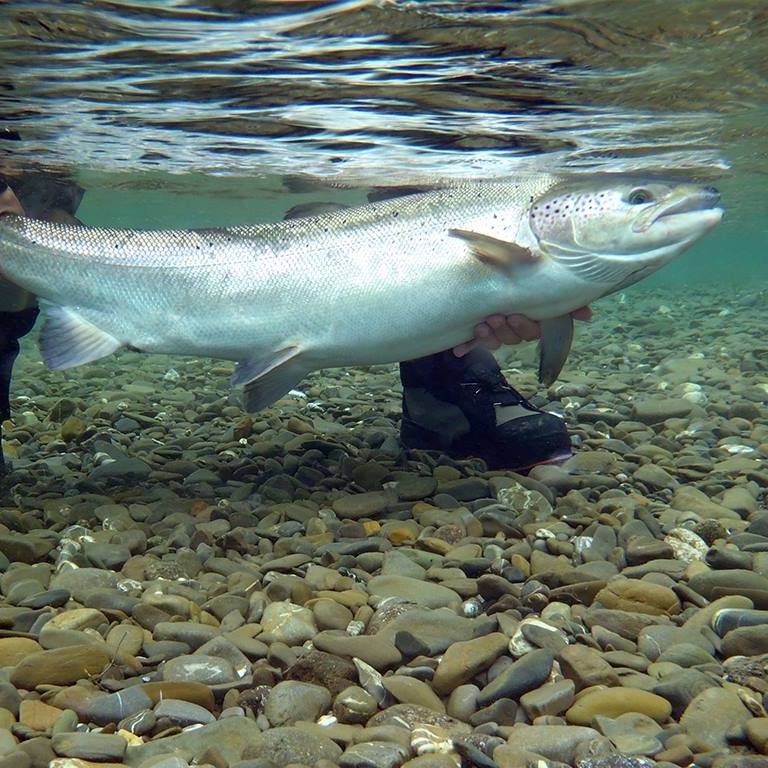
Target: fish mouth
703 200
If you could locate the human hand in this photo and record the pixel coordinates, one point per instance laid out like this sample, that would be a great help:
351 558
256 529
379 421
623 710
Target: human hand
498 330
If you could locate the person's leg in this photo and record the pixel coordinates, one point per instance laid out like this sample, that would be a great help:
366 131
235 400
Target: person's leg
13 325
465 407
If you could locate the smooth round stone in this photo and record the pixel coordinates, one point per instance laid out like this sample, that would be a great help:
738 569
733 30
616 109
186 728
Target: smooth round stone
80 582
109 556
373 754
231 737
732 581
78 619
462 661
288 623
746 641
199 668
586 667
680 688
53 598
127 638
422 593
462 703
291 701
553 742
90 746
757 733
685 655
653 641
182 713
140 723
551 699
60 666
189 632
613 702
732 618
501 712
291 745
409 690
354 705
331 615
113 707
411 716
523 675
197 693
713 714
15 649
639 596
375 651
356 506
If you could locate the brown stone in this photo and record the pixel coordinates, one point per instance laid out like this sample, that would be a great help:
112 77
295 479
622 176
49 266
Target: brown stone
462 661
60 666
14 649
639 596
38 715
586 667
197 693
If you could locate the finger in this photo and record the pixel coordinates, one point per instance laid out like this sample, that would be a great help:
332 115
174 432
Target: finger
483 331
496 321
583 313
507 336
462 349
492 343
525 328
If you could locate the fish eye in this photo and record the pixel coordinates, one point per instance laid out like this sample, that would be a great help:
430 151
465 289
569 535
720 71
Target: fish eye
639 197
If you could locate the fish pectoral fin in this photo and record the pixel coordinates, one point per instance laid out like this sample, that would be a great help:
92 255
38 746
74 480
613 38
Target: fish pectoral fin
68 340
491 250
554 346
268 379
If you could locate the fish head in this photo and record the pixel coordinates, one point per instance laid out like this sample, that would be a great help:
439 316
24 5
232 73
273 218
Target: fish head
617 230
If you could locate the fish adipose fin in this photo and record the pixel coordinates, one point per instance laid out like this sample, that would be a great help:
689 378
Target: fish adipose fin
268 379
68 340
491 250
555 344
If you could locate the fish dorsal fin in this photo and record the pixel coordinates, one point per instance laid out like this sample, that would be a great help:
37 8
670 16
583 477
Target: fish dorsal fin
491 250
267 379
554 347
68 340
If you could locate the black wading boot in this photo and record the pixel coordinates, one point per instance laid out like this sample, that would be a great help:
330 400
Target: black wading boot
465 407
13 325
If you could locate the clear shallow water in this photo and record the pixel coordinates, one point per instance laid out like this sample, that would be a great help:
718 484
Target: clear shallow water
177 113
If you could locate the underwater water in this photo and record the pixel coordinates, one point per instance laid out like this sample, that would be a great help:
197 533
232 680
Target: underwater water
182 579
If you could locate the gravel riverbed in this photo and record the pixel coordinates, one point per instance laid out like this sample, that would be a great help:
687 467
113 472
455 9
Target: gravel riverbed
182 583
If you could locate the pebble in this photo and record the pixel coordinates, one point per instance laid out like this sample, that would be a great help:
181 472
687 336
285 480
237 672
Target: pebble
290 701
613 702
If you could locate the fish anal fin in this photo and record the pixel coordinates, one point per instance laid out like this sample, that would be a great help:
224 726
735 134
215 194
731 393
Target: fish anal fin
491 250
268 379
68 340
554 347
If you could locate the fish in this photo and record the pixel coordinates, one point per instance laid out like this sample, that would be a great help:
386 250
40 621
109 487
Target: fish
378 283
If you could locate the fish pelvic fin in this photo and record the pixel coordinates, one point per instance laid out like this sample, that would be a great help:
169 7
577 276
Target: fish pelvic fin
268 379
554 347
491 250
68 340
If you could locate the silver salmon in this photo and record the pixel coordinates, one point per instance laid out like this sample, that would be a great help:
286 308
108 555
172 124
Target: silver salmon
380 283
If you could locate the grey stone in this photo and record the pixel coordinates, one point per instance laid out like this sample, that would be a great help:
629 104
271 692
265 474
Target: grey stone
291 701
523 675
182 713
